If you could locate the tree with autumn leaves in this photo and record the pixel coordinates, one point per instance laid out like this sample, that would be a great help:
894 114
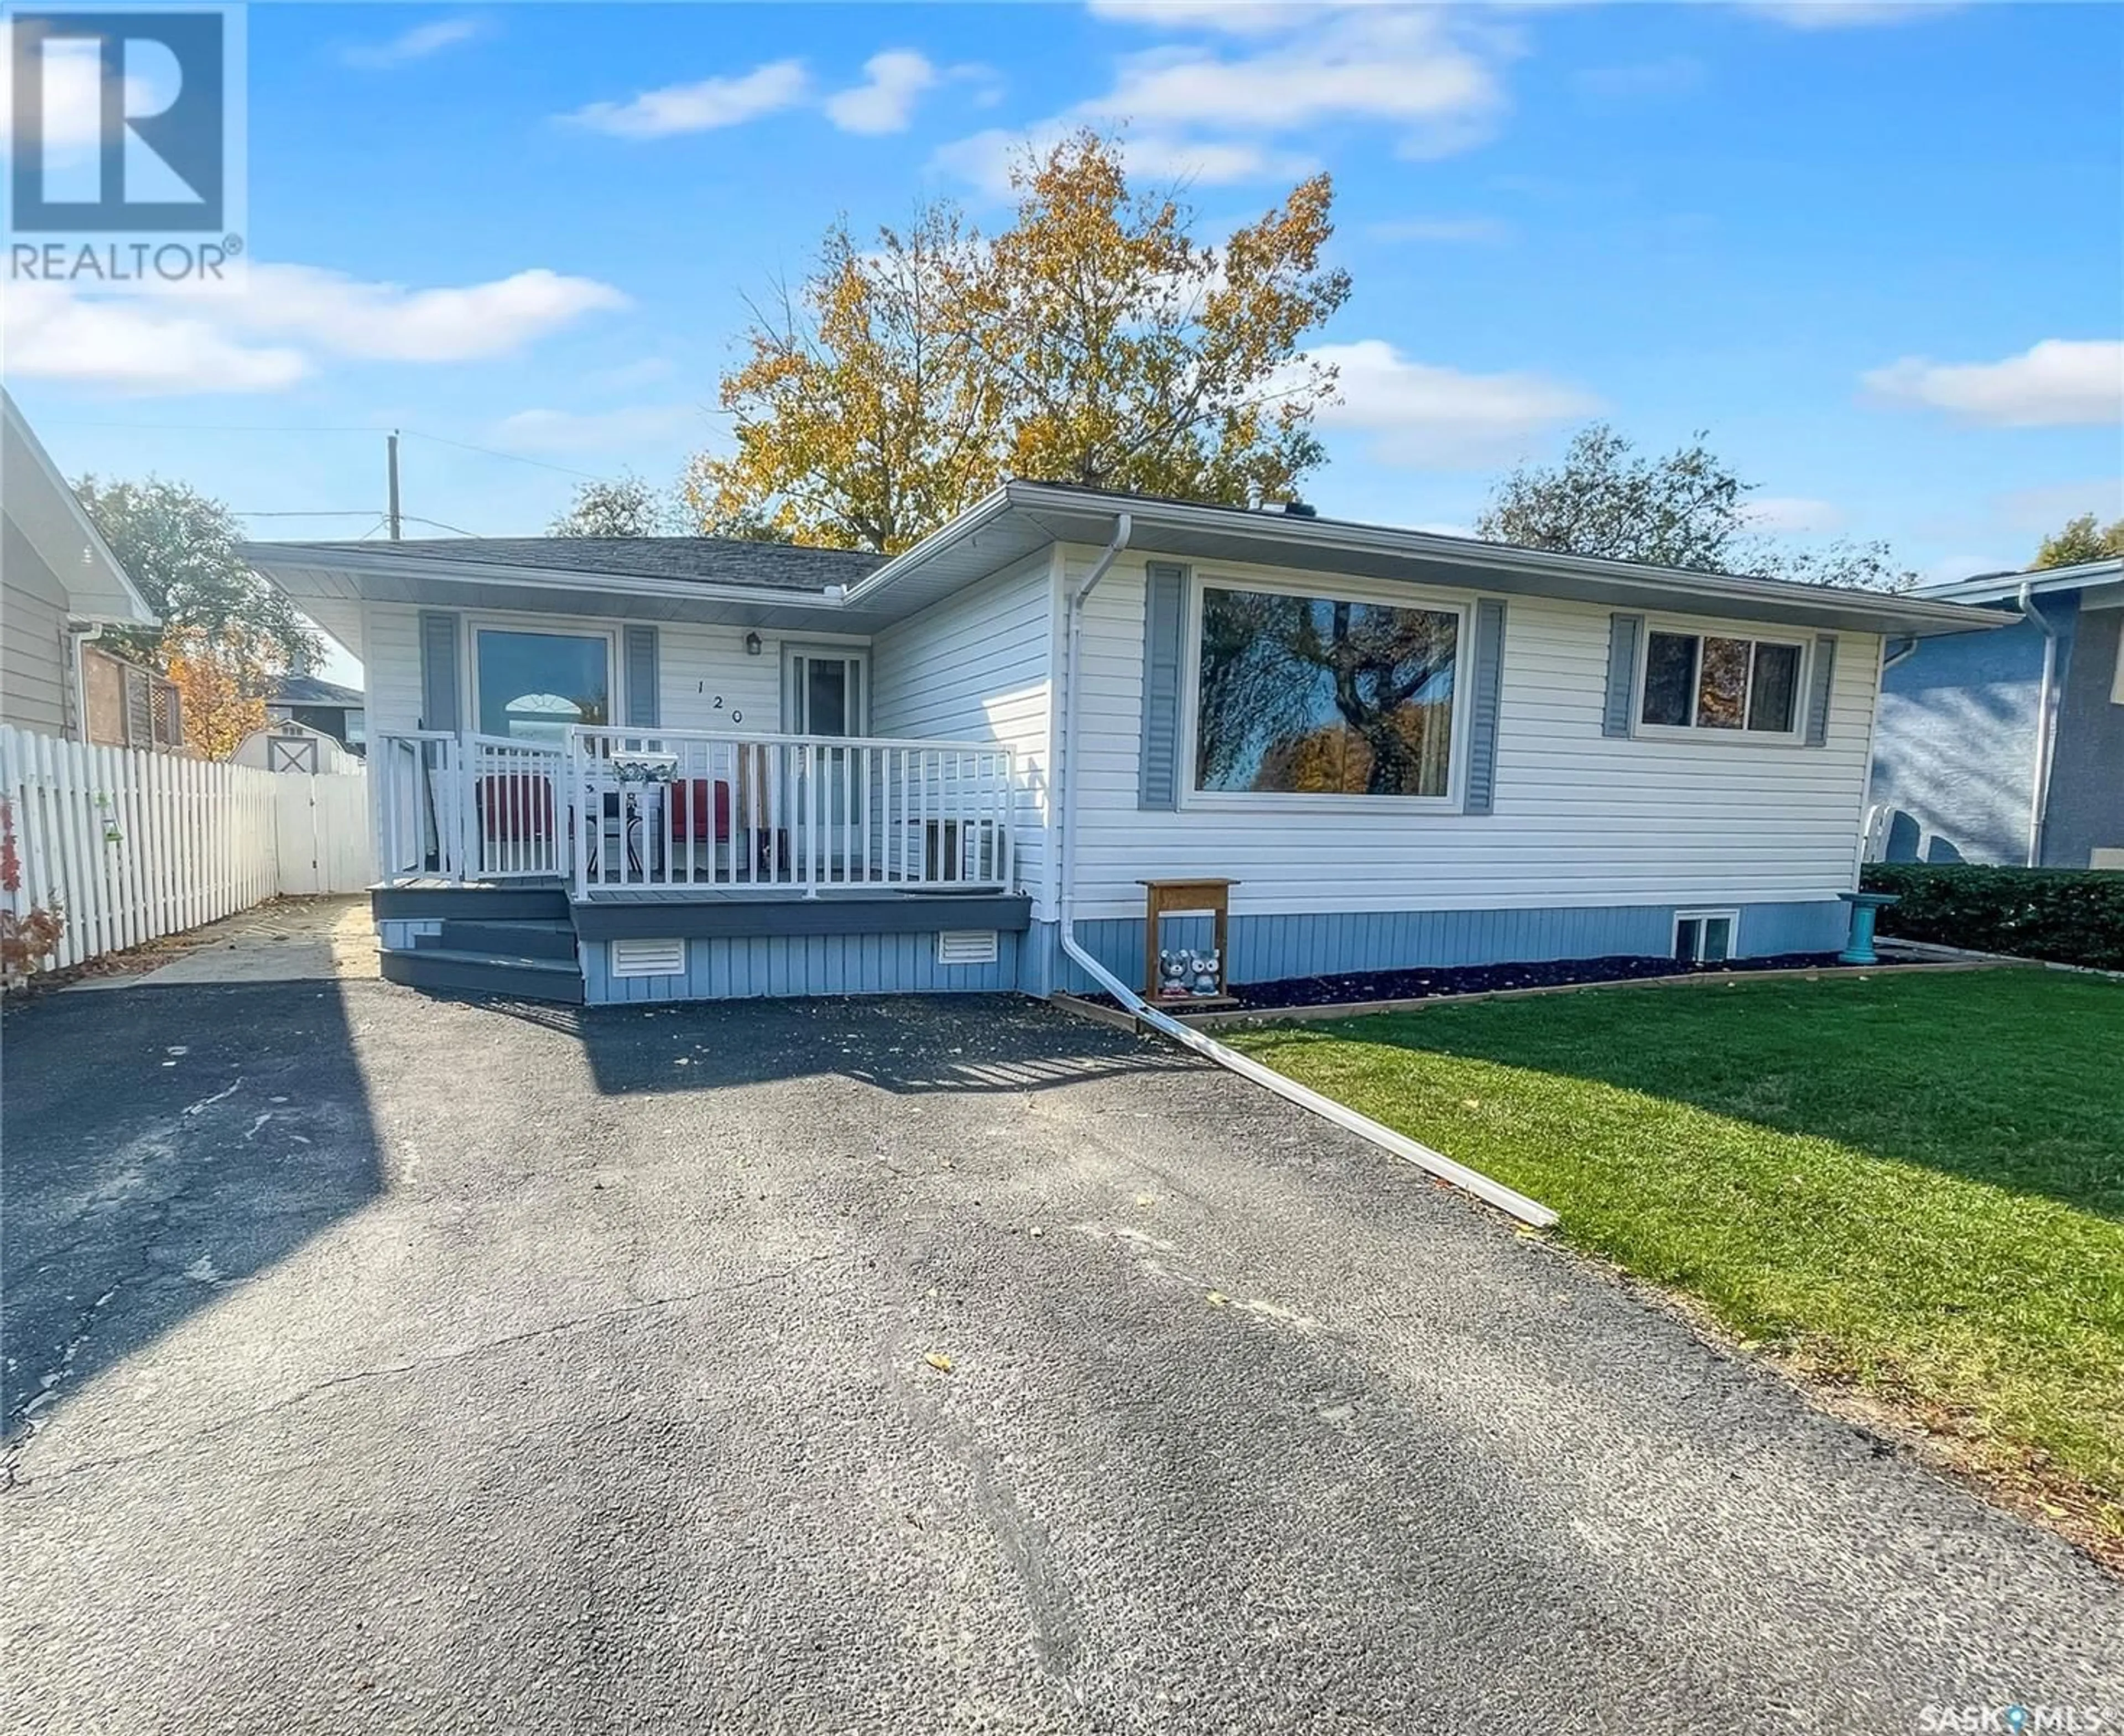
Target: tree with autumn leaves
226 635
1095 341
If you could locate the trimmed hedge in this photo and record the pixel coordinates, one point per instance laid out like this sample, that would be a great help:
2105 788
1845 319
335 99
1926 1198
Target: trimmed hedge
2068 916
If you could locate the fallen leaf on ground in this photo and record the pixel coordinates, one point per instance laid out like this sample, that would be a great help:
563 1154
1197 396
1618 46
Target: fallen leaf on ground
1217 1298
937 1360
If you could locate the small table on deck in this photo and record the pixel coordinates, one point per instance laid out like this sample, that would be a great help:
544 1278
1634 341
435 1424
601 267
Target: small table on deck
1190 897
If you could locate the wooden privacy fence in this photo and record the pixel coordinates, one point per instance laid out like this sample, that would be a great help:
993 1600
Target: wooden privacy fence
130 845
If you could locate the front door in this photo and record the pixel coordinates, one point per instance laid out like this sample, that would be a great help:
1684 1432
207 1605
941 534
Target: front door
824 692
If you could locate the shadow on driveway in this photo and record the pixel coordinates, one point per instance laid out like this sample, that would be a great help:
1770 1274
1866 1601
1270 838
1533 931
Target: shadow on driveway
156 1146
909 1046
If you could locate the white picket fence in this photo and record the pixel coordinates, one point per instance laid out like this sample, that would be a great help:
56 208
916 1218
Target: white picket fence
130 845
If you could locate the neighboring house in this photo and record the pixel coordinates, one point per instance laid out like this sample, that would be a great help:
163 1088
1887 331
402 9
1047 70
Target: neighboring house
59 587
337 712
2007 746
693 767
287 746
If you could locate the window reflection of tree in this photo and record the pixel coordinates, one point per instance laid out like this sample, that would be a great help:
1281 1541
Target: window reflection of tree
1310 694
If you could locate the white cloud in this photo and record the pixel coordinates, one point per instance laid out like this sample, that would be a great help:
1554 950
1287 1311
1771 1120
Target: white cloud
1212 112
390 322
985 159
269 334
1451 229
1844 15
1792 515
416 44
568 431
138 345
1402 67
895 80
2059 382
1420 413
701 107
1230 17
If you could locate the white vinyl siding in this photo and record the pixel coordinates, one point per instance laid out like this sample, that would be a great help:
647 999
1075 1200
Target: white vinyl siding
391 665
33 644
1581 818
976 668
697 664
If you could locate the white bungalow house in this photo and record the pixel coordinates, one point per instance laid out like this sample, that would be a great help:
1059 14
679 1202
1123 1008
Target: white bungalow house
667 768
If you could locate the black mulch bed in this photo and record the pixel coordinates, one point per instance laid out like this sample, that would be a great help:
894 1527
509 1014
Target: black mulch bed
1472 979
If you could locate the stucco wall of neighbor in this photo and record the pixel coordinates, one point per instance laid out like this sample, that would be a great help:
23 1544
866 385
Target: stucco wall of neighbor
33 649
1268 948
1954 751
2086 809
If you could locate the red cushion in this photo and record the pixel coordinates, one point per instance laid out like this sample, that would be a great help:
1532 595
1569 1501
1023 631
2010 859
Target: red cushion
690 810
515 807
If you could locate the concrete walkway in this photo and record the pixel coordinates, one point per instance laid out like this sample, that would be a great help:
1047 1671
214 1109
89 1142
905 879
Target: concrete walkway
400 1364
289 940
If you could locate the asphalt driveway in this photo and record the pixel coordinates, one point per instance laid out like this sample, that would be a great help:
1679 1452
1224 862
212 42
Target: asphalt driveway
426 1365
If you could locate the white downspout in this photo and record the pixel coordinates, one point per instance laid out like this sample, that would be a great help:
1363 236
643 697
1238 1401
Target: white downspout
2039 777
1436 1163
81 636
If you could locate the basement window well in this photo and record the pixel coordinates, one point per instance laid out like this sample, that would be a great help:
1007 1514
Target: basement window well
1703 936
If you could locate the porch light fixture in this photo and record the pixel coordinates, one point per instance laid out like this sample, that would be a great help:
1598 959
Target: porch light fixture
752 645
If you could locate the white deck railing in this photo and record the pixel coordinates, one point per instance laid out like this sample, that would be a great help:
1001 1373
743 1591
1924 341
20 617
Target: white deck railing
695 812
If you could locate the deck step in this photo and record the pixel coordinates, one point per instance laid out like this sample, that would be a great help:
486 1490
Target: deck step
482 973
470 903
536 939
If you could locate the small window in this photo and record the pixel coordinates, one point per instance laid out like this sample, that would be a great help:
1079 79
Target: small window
1703 936
1709 681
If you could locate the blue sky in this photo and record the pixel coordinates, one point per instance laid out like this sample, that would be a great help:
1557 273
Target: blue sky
1877 251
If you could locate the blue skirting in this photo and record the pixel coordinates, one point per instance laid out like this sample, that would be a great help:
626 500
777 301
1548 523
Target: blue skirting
748 967
1266 949
1334 943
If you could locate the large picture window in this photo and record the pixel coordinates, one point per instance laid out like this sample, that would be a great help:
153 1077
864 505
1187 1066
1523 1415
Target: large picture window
1318 695
532 686
1706 681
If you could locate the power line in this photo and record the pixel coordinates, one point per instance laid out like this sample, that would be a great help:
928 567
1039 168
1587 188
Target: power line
351 512
416 434
415 519
514 458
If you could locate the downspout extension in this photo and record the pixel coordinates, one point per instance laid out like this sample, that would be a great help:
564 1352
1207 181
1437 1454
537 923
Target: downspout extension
1397 1145
2039 777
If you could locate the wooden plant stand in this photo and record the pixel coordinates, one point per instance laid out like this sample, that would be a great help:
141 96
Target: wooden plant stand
1186 898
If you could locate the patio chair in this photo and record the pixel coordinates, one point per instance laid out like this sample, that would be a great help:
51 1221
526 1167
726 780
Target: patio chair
694 815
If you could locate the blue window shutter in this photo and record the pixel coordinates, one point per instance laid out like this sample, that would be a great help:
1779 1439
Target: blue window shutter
1624 633
439 671
641 678
1486 677
1164 614
1823 678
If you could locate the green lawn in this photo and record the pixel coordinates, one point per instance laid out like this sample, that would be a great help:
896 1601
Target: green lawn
1914 1183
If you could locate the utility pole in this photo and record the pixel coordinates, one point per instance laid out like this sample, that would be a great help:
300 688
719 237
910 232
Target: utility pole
392 451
